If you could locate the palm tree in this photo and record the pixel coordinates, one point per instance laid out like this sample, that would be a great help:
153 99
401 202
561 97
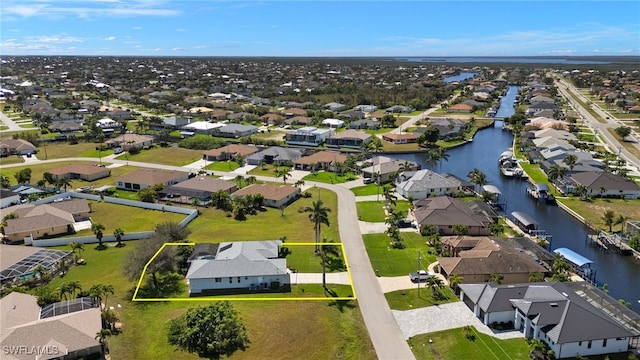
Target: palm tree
63 181
377 145
318 215
535 277
438 154
477 177
388 193
97 229
620 219
365 149
250 180
4 181
118 233
102 336
560 265
299 183
608 218
454 281
555 172
581 191
459 229
239 180
72 287
571 161
435 284
284 173
496 278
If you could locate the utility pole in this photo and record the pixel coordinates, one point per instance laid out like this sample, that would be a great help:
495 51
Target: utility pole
419 267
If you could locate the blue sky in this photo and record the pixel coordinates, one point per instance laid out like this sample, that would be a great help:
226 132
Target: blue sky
319 28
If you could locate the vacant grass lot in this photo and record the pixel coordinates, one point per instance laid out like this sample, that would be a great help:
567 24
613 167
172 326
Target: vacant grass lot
453 345
369 189
64 150
224 166
593 210
409 299
328 177
165 155
129 219
37 170
387 261
373 211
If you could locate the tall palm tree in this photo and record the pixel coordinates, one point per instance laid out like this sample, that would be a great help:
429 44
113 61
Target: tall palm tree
435 284
536 277
496 278
454 281
63 182
571 161
477 177
555 172
608 218
318 215
97 229
250 180
239 180
388 194
118 233
437 155
102 336
284 173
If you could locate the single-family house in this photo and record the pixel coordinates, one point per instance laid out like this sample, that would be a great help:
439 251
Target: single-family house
348 139
365 124
240 265
403 138
199 188
146 177
606 184
308 136
202 127
383 168
448 127
272 118
235 130
321 160
333 106
444 212
353 115
426 183
333 123
16 146
275 155
173 122
553 312
229 152
45 220
293 112
275 196
66 127
365 108
63 330
398 109
130 141
475 258
84 172
460 108
8 198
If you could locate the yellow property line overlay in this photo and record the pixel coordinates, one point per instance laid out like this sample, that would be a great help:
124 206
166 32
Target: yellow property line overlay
210 298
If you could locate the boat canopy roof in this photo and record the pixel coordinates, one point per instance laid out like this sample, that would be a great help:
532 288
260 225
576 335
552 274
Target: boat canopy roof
573 257
492 189
542 187
507 153
524 219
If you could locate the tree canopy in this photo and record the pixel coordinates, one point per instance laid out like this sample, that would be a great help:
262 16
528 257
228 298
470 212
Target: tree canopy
210 331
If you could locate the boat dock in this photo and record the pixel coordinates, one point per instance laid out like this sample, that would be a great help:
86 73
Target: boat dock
614 242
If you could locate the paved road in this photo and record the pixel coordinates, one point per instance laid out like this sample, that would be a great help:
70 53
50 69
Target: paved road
384 331
12 125
569 91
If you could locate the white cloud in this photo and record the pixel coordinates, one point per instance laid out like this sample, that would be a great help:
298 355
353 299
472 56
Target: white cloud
178 49
181 30
86 9
110 38
137 28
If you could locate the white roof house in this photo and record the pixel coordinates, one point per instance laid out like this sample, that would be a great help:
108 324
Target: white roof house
202 126
333 123
426 183
251 265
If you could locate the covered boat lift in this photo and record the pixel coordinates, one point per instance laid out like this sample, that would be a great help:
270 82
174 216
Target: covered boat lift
580 263
498 202
525 221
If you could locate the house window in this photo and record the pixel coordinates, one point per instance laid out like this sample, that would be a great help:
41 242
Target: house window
579 343
230 279
218 279
589 345
238 278
246 278
604 343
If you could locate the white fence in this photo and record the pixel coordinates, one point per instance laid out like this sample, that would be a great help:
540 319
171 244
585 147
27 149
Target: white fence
191 214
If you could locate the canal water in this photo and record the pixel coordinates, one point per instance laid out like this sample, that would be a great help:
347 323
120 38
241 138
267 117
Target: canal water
622 274
459 77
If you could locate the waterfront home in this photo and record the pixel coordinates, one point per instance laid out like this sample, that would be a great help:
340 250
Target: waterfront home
476 258
426 183
404 138
308 136
603 184
348 139
444 212
460 108
275 196
240 265
552 312
385 169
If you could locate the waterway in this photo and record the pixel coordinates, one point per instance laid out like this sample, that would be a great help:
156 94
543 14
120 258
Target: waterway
459 77
506 108
622 274
506 59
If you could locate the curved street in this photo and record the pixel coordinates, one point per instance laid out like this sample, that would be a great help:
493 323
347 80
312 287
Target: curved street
386 336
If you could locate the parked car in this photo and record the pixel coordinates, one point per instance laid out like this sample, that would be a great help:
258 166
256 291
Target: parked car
420 276
118 150
367 180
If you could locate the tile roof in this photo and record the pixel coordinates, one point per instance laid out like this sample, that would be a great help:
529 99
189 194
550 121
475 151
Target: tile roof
235 149
324 156
269 191
151 177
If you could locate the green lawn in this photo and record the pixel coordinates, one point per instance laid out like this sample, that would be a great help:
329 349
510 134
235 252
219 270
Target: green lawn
224 166
453 345
329 177
369 189
266 170
37 170
593 210
387 261
214 226
409 299
64 150
15 159
373 211
165 155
